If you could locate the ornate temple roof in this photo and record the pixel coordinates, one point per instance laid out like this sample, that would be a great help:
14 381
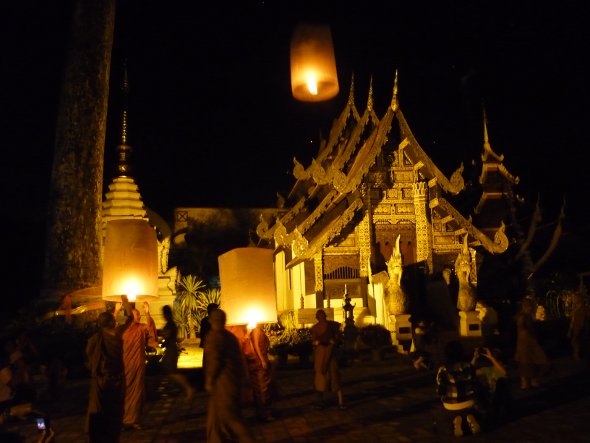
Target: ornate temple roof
495 179
333 188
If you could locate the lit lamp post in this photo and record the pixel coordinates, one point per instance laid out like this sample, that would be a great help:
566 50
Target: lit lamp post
247 286
313 64
130 264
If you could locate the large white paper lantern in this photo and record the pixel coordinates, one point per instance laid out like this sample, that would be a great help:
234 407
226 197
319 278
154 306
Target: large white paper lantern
247 286
130 264
313 64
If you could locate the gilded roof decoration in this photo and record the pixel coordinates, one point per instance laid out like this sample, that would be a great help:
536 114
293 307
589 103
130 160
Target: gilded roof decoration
359 151
298 243
264 232
415 152
318 211
280 234
319 174
329 232
262 228
496 246
394 104
299 172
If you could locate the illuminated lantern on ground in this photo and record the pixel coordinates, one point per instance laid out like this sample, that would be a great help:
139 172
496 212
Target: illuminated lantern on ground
247 286
130 264
313 65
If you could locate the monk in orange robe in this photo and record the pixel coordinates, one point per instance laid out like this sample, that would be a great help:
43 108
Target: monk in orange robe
135 338
104 353
325 336
224 374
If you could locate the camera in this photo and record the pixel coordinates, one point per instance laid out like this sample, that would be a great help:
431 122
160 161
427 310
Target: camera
42 423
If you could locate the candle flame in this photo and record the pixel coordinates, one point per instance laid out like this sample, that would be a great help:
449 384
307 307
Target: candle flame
312 84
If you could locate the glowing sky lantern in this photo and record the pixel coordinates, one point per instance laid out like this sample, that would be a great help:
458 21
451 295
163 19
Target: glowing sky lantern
313 64
130 264
248 293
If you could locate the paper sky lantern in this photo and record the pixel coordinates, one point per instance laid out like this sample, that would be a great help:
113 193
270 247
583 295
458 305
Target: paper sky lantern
130 264
247 286
313 65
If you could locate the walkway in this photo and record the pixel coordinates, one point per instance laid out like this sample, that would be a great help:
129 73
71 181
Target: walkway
388 401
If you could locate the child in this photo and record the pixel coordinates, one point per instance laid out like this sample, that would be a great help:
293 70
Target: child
418 353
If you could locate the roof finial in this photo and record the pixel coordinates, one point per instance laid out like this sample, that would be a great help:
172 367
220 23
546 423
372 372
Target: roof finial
123 149
370 99
486 140
351 93
394 103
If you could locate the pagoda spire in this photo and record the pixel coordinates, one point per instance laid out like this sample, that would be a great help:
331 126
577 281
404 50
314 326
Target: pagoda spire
370 99
351 93
123 200
487 148
394 103
123 148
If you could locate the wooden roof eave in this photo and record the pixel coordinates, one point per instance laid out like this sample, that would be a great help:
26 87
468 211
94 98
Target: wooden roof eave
331 199
264 231
496 246
429 168
338 128
341 160
327 234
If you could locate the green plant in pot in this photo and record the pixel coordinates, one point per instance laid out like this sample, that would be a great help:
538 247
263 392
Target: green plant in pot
301 344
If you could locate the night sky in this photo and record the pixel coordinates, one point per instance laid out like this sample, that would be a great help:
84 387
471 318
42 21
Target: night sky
213 123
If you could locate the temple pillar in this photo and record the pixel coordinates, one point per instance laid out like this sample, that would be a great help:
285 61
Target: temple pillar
423 226
365 250
318 264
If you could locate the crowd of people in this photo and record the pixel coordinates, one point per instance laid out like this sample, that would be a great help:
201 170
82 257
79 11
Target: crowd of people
473 386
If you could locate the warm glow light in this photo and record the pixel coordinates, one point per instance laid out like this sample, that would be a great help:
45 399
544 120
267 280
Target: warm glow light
313 64
247 286
312 84
130 264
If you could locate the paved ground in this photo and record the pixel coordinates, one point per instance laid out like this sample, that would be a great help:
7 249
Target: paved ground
388 402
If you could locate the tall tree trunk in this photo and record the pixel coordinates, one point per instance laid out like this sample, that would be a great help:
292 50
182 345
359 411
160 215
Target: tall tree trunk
73 256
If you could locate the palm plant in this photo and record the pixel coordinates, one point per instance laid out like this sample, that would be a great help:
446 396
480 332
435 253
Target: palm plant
187 303
211 295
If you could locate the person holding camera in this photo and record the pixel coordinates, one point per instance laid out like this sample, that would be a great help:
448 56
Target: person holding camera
494 394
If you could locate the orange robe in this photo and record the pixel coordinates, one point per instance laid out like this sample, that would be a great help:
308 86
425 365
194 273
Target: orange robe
224 373
107 385
135 339
259 369
325 366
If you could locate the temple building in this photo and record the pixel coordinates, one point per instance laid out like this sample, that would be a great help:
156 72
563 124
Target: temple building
370 183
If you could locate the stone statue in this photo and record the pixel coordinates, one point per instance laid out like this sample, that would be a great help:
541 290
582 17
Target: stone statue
466 296
395 296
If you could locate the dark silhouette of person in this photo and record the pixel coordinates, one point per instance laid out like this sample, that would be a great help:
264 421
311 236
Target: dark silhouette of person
225 371
169 362
205 324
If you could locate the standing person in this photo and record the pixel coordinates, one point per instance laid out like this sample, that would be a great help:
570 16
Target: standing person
135 339
579 329
456 386
532 360
325 337
104 353
255 350
169 363
224 371
205 324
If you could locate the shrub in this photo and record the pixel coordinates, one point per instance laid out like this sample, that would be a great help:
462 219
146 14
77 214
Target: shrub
375 336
